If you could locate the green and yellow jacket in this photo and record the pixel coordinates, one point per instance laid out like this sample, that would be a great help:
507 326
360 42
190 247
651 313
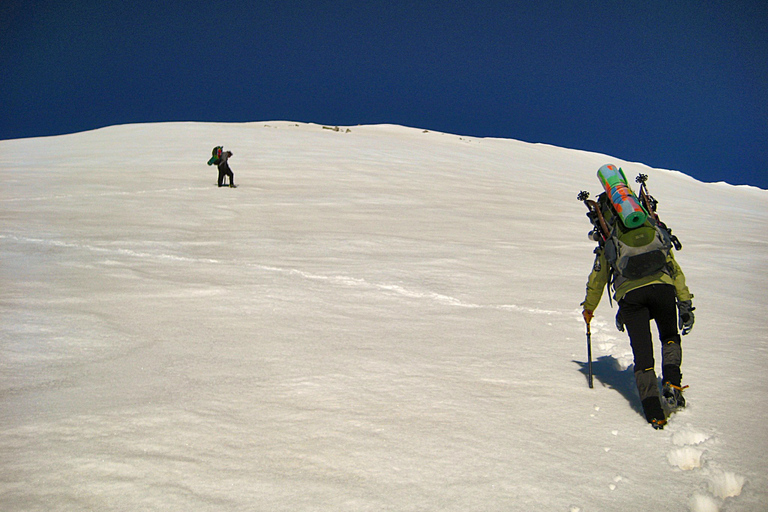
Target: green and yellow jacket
601 274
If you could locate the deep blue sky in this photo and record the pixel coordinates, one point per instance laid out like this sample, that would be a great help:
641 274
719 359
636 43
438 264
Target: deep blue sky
677 84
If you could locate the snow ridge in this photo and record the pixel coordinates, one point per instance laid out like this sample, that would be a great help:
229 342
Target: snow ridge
341 280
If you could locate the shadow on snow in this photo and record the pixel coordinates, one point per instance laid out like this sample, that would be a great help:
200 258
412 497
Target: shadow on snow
606 371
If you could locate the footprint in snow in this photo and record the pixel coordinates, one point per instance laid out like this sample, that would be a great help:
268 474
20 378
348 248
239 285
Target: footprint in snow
703 503
722 485
687 456
688 437
725 484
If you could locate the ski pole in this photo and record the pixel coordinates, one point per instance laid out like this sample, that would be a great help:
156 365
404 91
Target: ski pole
589 354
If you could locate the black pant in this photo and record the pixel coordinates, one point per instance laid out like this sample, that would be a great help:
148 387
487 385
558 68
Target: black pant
637 308
224 170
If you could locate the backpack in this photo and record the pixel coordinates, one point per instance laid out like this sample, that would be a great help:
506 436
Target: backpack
216 155
634 253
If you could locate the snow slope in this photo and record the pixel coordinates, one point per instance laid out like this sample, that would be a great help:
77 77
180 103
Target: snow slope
378 318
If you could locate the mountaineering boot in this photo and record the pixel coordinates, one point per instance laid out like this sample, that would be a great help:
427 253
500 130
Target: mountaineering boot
654 413
671 387
673 395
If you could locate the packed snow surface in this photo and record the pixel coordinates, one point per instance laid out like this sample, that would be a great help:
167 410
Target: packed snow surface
378 318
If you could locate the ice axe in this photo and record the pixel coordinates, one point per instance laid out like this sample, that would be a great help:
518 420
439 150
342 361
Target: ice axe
589 354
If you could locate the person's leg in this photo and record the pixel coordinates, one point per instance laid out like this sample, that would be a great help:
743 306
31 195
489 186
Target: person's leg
663 308
224 170
636 316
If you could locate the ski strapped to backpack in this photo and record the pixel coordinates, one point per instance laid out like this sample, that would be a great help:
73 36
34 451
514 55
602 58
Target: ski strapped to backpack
634 241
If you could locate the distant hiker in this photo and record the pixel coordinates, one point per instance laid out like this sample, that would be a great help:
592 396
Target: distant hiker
648 284
219 158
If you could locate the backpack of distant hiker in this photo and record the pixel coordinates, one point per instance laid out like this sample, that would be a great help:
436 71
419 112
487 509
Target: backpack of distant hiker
635 244
216 155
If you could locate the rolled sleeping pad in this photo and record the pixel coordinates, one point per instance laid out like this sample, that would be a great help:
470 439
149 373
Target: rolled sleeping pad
621 196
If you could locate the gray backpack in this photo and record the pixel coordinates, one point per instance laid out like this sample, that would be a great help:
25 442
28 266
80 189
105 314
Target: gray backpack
638 252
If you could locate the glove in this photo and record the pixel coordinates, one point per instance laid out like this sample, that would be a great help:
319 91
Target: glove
619 322
588 315
685 309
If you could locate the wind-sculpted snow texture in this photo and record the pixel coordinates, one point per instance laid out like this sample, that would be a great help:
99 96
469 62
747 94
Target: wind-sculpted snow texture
378 318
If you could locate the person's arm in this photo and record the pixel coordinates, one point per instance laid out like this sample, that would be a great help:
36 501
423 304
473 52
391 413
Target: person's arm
598 278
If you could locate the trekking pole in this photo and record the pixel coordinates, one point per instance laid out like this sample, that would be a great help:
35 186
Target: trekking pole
589 354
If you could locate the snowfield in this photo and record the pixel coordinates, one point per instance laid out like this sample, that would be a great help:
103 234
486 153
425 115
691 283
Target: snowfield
378 318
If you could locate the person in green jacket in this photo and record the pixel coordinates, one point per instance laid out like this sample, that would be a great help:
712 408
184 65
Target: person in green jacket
664 298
